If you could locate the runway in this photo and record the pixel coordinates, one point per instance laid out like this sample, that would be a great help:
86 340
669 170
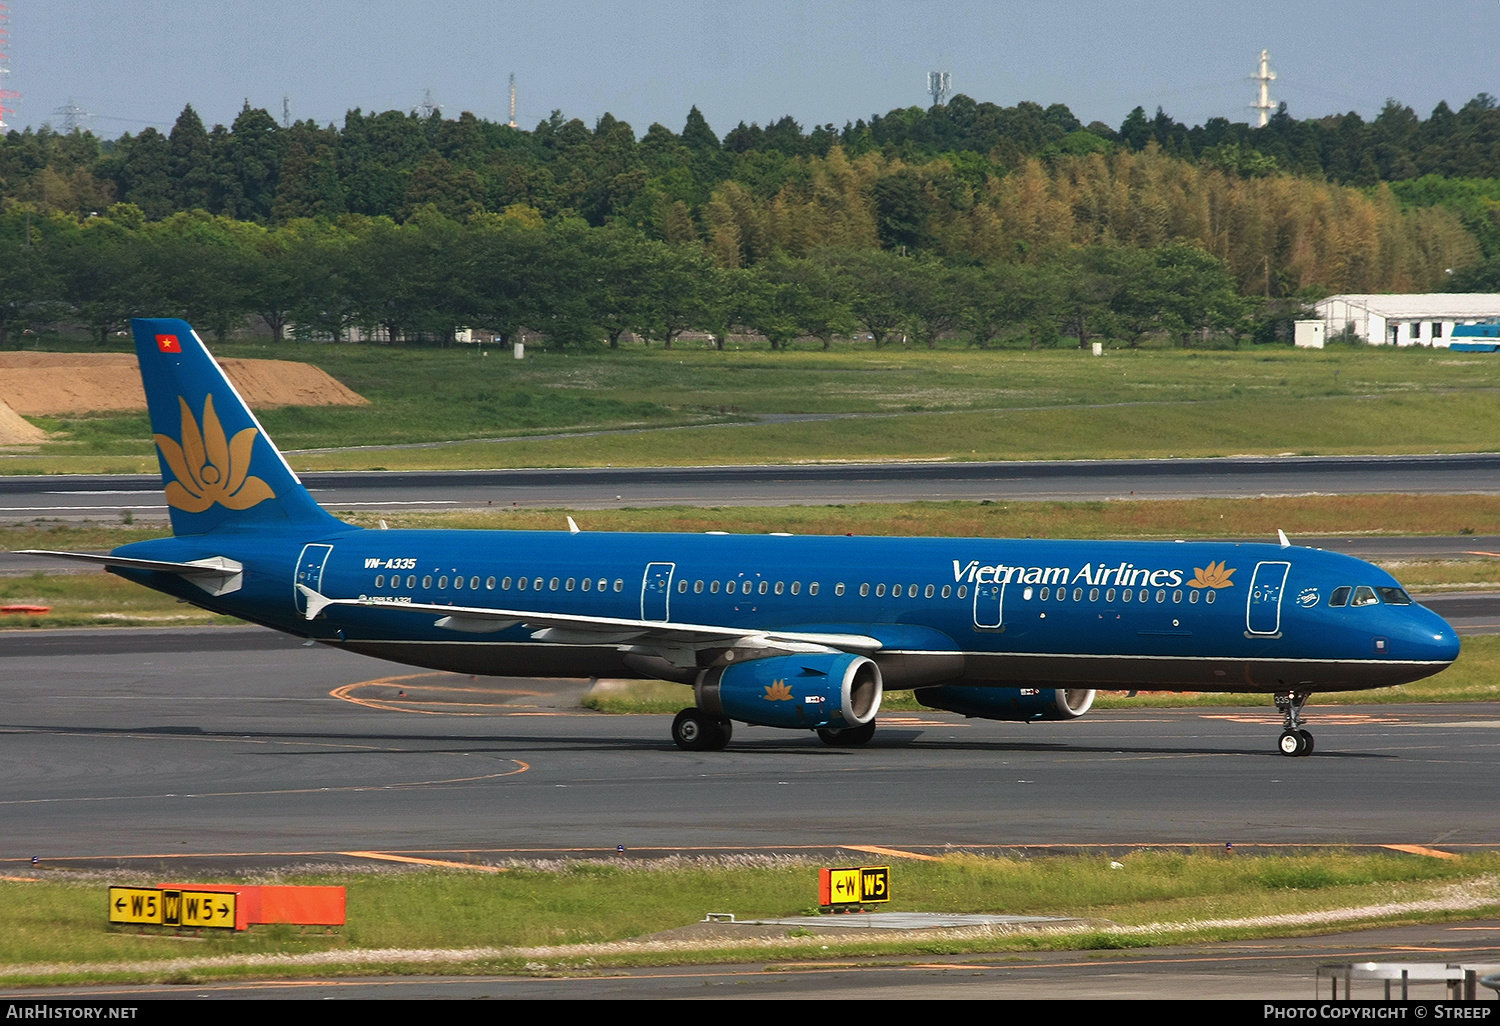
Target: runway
201 746
111 496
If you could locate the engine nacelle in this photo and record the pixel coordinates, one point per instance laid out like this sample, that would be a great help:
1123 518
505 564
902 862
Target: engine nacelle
821 689
1008 703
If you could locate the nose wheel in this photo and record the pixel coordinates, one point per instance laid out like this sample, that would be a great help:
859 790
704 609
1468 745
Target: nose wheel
1295 739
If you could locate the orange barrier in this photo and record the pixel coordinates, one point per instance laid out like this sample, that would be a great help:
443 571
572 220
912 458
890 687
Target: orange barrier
263 904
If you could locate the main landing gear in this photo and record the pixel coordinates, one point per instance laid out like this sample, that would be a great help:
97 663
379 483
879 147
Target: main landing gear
696 731
1294 740
848 737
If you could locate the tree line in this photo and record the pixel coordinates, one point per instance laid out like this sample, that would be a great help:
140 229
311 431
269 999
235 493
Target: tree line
413 224
580 285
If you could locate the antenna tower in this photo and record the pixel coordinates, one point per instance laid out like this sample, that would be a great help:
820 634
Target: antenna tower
73 116
1265 78
5 94
429 106
286 111
938 85
512 99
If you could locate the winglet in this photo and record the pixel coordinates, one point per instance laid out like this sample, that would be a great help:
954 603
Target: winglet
315 603
1280 534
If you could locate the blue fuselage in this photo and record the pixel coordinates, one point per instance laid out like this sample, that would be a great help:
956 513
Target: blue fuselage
1124 615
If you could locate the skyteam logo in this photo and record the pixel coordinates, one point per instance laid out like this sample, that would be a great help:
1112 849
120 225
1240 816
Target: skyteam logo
211 469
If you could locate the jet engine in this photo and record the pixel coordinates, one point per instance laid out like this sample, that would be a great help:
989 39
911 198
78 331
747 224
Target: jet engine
1008 703
821 689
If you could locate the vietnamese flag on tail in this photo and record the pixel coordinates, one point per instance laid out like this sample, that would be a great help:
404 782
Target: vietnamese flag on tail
168 344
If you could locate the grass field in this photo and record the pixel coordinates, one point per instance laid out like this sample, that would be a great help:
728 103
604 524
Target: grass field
527 918
895 404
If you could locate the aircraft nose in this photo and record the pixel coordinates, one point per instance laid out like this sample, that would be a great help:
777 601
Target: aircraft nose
1437 640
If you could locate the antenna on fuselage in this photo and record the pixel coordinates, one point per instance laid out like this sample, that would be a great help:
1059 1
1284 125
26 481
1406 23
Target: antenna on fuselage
1282 535
572 527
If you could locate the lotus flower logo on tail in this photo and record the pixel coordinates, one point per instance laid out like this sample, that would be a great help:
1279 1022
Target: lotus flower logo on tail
1212 576
210 468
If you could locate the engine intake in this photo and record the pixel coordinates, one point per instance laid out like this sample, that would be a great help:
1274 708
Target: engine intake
1008 703
809 691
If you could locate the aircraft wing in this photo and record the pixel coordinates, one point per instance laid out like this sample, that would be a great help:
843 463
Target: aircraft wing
571 629
217 575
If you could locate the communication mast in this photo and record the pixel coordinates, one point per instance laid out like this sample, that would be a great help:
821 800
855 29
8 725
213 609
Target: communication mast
937 85
1265 78
512 99
73 116
5 94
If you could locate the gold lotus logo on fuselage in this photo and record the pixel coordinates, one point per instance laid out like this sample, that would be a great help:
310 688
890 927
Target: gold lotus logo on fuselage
1212 576
210 468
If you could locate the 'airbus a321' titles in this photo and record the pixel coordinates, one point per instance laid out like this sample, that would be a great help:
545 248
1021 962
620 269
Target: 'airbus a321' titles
804 633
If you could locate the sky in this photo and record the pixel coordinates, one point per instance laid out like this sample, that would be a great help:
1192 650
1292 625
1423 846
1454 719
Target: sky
131 63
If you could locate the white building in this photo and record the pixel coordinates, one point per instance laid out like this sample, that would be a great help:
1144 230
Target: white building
1407 320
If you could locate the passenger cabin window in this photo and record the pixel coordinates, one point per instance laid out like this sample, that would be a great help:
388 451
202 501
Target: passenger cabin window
812 589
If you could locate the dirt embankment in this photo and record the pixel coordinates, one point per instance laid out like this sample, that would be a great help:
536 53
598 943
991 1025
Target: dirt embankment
47 384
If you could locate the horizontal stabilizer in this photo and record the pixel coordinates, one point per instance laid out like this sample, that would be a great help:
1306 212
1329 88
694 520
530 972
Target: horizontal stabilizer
217 575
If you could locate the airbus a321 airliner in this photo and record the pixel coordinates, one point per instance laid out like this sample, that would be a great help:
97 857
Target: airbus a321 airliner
796 632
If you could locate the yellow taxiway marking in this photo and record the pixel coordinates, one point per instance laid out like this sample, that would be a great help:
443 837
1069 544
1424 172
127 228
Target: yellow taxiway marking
1345 719
439 863
411 704
1418 849
916 721
1473 553
397 785
895 853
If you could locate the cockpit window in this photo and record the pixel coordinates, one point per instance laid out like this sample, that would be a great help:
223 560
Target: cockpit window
1364 596
1394 596
1340 596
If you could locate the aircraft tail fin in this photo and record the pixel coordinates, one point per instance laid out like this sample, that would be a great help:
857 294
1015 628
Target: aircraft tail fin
220 469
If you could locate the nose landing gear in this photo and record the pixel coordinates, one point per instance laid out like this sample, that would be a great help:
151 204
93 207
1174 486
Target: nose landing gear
1294 740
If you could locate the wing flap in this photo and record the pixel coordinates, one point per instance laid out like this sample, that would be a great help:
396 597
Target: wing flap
576 629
